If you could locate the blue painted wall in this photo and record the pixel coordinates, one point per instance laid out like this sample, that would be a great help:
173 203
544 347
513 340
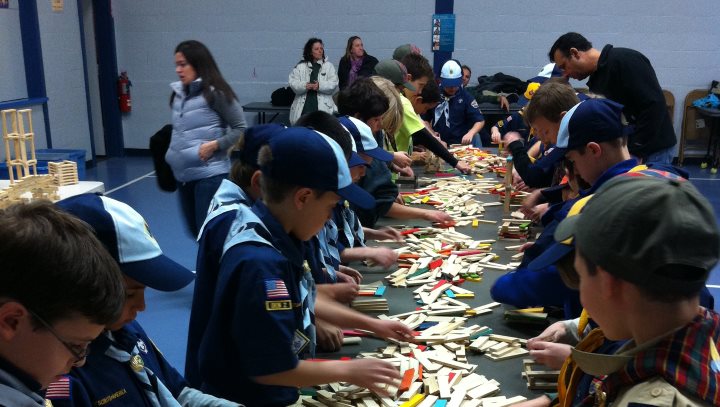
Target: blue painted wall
257 44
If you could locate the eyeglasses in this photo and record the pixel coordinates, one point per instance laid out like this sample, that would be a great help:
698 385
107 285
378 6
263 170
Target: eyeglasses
80 352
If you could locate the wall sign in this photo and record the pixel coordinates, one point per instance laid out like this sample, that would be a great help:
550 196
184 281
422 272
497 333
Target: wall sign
443 32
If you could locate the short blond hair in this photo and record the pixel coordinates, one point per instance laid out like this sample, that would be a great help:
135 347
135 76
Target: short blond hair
393 117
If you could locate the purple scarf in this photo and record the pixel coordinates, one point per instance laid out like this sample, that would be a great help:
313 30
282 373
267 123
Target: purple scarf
355 65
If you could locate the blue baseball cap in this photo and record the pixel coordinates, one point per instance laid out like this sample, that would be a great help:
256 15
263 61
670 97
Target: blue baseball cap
592 120
363 138
125 234
355 160
559 249
450 75
254 138
308 158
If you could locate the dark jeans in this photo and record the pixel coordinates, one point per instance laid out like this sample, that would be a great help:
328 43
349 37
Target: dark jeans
195 197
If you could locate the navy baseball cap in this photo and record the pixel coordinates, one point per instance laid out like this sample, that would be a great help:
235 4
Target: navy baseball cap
559 249
355 160
592 120
308 158
126 235
363 138
254 138
635 226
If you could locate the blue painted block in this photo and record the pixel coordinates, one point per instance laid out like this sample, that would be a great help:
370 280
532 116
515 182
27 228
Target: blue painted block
380 291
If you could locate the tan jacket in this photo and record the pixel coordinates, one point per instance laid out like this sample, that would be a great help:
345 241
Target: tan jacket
328 81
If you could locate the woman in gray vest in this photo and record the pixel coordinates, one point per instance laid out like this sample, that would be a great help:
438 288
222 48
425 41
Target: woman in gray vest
207 120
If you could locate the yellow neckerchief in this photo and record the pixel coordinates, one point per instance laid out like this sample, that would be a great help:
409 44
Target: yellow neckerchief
570 373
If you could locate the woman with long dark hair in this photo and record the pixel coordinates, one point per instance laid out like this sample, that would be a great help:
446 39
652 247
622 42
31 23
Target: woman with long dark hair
207 120
314 82
356 63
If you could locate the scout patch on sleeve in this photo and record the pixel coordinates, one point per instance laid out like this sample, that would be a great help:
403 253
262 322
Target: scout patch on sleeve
282 305
276 289
474 104
299 342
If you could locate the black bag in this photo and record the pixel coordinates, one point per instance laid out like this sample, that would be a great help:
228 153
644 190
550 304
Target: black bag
282 97
159 144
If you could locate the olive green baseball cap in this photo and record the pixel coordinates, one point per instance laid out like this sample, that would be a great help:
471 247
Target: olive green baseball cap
636 228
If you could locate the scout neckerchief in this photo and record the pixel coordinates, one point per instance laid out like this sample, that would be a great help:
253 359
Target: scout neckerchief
443 109
308 293
328 245
154 389
227 198
351 228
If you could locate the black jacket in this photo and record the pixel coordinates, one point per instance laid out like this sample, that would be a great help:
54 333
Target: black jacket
626 76
367 69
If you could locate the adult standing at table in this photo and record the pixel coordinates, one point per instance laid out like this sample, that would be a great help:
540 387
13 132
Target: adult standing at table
207 120
627 77
356 63
314 82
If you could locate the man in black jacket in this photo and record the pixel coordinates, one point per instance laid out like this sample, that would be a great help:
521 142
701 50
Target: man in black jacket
627 77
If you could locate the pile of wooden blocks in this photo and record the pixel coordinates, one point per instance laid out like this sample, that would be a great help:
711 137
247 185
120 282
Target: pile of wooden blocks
29 188
499 347
65 172
539 379
431 374
369 298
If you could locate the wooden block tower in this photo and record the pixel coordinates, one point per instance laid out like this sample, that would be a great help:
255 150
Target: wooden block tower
19 143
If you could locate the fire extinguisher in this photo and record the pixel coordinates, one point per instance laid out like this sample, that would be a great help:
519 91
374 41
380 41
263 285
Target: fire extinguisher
123 89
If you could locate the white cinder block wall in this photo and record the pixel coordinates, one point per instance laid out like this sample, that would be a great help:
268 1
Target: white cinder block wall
257 43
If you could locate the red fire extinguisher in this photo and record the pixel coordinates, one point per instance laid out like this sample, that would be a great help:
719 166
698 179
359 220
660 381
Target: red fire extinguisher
123 89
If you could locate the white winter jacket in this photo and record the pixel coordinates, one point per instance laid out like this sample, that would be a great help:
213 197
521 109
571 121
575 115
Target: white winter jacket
328 80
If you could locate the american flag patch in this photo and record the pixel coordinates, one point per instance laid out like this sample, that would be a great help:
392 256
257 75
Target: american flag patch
276 289
59 390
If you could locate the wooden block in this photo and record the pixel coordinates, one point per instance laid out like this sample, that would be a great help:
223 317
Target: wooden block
483 390
411 392
517 352
431 385
444 384
457 398
450 363
429 401
414 401
352 340
406 380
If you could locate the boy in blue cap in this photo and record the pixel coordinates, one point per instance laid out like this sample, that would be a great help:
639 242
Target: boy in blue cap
123 365
592 135
457 118
262 320
58 289
234 192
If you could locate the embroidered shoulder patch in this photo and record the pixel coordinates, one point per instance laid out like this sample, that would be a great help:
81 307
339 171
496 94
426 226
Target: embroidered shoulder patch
283 305
59 389
276 289
474 104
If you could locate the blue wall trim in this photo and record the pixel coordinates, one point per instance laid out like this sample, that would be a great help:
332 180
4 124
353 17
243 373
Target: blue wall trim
107 77
85 78
20 103
440 57
32 55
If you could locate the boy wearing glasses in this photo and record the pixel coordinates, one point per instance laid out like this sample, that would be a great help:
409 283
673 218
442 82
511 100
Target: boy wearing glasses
124 367
58 289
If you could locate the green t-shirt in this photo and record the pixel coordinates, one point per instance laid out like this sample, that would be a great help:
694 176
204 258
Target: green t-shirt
411 124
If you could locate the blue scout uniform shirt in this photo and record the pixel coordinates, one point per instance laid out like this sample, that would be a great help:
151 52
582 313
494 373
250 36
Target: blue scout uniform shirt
262 320
214 231
455 116
514 122
525 288
17 389
106 381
